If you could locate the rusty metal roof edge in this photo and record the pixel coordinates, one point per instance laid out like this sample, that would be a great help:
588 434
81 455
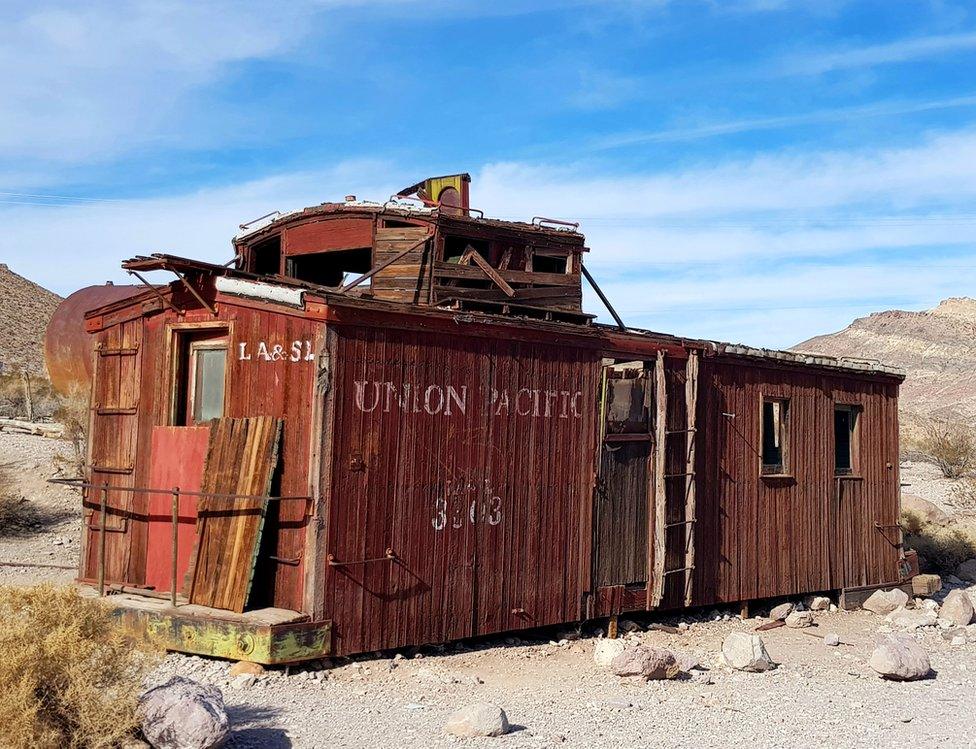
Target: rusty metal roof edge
405 209
847 364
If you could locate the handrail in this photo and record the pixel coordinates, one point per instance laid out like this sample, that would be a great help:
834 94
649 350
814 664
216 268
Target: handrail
175 492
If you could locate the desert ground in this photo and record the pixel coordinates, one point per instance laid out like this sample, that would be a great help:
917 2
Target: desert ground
554 693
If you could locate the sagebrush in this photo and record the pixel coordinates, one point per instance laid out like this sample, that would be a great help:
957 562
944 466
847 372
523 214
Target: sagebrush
72 413
941 548
951 445
70 675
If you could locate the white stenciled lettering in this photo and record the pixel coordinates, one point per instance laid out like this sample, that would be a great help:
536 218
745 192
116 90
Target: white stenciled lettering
361 402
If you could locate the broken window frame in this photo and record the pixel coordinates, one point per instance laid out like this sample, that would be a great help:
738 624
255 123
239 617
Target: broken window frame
779 408
185 341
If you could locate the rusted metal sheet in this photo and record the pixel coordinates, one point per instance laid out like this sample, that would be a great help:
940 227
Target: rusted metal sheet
68 346
460 456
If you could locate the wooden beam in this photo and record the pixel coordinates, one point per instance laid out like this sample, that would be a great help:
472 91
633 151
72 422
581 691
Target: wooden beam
691 524
656 585
472 254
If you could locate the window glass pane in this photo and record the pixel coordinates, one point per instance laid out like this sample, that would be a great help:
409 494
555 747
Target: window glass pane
773 416
208 387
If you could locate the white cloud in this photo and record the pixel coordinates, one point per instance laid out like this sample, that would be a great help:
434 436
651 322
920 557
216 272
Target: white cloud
93 80
880 54
768 250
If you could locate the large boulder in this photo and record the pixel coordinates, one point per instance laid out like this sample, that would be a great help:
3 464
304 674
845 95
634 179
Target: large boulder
957 608
909 620
647 662
606 650
883 602
182 714
967 571
900 658
923 508
800 619
479 719
746 652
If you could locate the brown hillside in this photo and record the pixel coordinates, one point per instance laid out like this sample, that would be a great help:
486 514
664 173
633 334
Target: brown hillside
937 349
25 309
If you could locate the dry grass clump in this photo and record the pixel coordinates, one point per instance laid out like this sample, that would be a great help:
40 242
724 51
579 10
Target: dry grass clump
951 445
72 413
70 676
941 549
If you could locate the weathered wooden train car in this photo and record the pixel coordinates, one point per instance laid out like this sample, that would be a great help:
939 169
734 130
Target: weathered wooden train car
462 451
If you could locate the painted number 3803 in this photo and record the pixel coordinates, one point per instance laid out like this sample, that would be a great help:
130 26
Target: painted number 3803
458 507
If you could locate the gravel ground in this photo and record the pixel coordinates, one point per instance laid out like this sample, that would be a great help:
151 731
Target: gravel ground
554 693
49 528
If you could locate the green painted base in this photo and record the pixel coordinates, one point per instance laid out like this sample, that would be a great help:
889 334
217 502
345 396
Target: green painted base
267 644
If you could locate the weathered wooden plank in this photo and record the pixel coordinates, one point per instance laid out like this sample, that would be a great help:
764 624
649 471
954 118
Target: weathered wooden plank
691 517
659 531
241 459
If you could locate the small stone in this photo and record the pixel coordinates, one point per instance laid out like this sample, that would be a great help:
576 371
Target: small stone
778 613
957 608
819 603
245 667
908 620
606 650
831 640
686 661
243 681
647 662
958 640
800 619
746 652
883 602
900 658
626 625
480 719
618 703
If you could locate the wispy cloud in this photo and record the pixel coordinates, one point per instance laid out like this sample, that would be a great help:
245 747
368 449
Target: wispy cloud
888 53
819 117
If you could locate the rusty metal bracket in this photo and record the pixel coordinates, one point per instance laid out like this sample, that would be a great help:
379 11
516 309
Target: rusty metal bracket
390 557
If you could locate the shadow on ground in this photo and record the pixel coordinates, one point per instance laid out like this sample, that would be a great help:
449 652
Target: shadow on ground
254 726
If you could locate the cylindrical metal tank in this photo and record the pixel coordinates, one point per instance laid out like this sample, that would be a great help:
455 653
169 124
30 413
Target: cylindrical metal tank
67 347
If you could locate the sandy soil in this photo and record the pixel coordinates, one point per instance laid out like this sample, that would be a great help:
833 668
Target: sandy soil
554 693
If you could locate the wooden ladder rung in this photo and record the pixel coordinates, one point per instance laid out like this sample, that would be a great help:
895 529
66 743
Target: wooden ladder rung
132 351
679 569
681 522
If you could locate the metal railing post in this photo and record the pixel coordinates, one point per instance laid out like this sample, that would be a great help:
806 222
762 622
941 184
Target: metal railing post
176 544
101 541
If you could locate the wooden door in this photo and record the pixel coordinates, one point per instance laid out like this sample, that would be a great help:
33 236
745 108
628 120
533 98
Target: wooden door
177 460
624 482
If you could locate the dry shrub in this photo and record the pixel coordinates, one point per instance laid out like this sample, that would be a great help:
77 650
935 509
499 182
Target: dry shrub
964 494
941 549
72 413
951 445
70 676
13 396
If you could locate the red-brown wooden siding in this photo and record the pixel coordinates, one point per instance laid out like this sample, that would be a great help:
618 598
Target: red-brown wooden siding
762 536
254 387
466 578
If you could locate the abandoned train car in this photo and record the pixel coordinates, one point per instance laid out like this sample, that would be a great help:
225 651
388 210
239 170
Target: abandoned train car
392 424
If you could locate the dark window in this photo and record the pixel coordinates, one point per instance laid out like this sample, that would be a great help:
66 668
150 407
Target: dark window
775 432
545 263
845 439
266 256
330 268
200 376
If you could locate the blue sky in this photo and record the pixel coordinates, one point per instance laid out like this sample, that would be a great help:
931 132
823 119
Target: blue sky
758 171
